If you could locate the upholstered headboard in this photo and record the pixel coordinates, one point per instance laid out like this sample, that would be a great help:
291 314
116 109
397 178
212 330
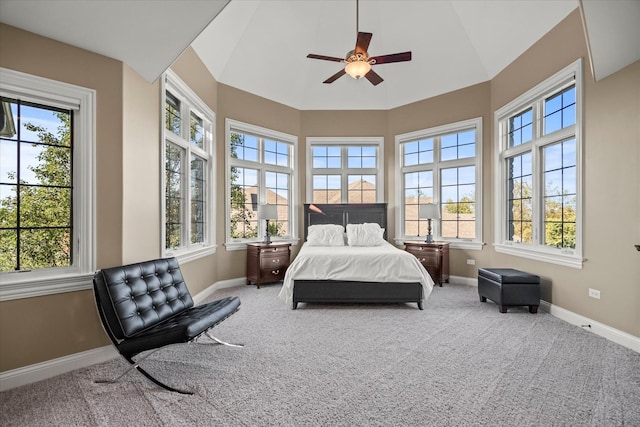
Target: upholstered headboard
344 214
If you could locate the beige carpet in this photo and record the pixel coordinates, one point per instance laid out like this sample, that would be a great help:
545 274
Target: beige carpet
457 363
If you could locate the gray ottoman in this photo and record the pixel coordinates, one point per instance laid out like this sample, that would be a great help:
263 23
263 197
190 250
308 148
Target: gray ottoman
509 287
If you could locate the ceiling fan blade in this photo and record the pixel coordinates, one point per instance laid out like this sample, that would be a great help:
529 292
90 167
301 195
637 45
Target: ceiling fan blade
326 58
335 77
394 57
373 77
362 43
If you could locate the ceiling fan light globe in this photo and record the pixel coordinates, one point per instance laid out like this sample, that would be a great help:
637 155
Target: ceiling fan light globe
357 69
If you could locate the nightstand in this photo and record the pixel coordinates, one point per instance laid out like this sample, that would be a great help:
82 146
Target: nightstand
433 256
267 263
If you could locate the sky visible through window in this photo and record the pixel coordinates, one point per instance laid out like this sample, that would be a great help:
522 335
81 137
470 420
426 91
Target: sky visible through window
28 153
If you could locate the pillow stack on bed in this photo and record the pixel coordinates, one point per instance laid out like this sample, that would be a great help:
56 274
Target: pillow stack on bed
367 234
325 235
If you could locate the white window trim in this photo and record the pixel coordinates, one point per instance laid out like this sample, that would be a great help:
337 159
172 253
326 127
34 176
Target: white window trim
17 285
378 141
467 244
179 88
230 124
561 256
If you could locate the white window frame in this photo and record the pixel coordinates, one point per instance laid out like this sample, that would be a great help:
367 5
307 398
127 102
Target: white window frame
47 281
572 74
189 102
262 133
344 172
437 165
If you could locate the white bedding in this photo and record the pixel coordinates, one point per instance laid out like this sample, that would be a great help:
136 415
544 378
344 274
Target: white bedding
384 263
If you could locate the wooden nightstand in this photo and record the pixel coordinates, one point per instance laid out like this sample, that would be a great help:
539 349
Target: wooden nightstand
433 256
267 263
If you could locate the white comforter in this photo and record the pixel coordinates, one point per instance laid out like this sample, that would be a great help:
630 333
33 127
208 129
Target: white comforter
384 263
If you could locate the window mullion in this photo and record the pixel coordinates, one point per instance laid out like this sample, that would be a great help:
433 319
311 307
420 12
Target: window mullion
537 204
186 188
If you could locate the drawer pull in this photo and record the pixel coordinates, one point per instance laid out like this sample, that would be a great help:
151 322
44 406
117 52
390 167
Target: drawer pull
422 259
275 272
275 260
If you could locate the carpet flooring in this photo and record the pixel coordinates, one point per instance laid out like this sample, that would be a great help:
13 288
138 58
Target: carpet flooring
457 363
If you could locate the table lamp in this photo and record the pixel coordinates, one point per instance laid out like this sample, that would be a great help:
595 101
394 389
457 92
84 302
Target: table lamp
267 212
429 211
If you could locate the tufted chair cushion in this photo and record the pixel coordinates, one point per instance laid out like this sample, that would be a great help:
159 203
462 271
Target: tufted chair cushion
143 294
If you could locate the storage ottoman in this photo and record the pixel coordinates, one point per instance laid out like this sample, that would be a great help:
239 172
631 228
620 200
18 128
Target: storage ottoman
509 287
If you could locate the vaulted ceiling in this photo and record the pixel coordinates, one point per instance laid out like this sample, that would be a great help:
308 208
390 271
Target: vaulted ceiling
260 46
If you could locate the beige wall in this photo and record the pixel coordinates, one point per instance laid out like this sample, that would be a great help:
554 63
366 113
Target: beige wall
128 179
42 328
141 168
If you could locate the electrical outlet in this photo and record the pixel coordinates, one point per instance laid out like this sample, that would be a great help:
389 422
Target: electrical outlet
471 262
594 293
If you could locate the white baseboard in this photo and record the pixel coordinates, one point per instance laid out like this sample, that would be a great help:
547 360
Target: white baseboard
612 334
463 280
51 368
230 283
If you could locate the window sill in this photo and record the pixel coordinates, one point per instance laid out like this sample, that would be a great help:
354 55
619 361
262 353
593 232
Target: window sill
46 286
192 254
540 254
471 246
240 246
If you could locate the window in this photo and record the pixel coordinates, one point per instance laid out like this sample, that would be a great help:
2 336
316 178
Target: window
539 171
441 165
188 158
46 186
345 170
260 170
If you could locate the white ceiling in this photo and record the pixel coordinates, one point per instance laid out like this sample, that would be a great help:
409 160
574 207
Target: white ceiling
148 35
260 46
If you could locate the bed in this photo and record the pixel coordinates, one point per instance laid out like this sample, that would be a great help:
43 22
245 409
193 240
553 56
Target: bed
353 274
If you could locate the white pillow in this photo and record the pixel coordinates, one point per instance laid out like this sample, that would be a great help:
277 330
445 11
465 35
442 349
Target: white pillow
367 234
325 235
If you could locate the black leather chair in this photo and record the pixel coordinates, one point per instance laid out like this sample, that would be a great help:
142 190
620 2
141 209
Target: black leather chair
146 306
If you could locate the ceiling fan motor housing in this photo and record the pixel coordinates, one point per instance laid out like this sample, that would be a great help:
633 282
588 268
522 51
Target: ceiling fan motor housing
357 64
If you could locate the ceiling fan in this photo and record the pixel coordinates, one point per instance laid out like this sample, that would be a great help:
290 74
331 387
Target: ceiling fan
358 60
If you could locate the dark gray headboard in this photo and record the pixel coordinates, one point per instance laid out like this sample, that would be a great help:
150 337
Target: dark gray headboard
344 214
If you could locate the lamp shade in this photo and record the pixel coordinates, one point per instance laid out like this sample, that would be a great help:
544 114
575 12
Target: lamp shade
267 212
429 211
357 69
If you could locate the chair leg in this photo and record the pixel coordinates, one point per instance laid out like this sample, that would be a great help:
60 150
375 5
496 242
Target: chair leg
136 365
219 341
161 384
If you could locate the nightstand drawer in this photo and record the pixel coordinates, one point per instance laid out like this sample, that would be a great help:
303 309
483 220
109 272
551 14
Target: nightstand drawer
419 249
428 259
273 274
269 261
273 250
